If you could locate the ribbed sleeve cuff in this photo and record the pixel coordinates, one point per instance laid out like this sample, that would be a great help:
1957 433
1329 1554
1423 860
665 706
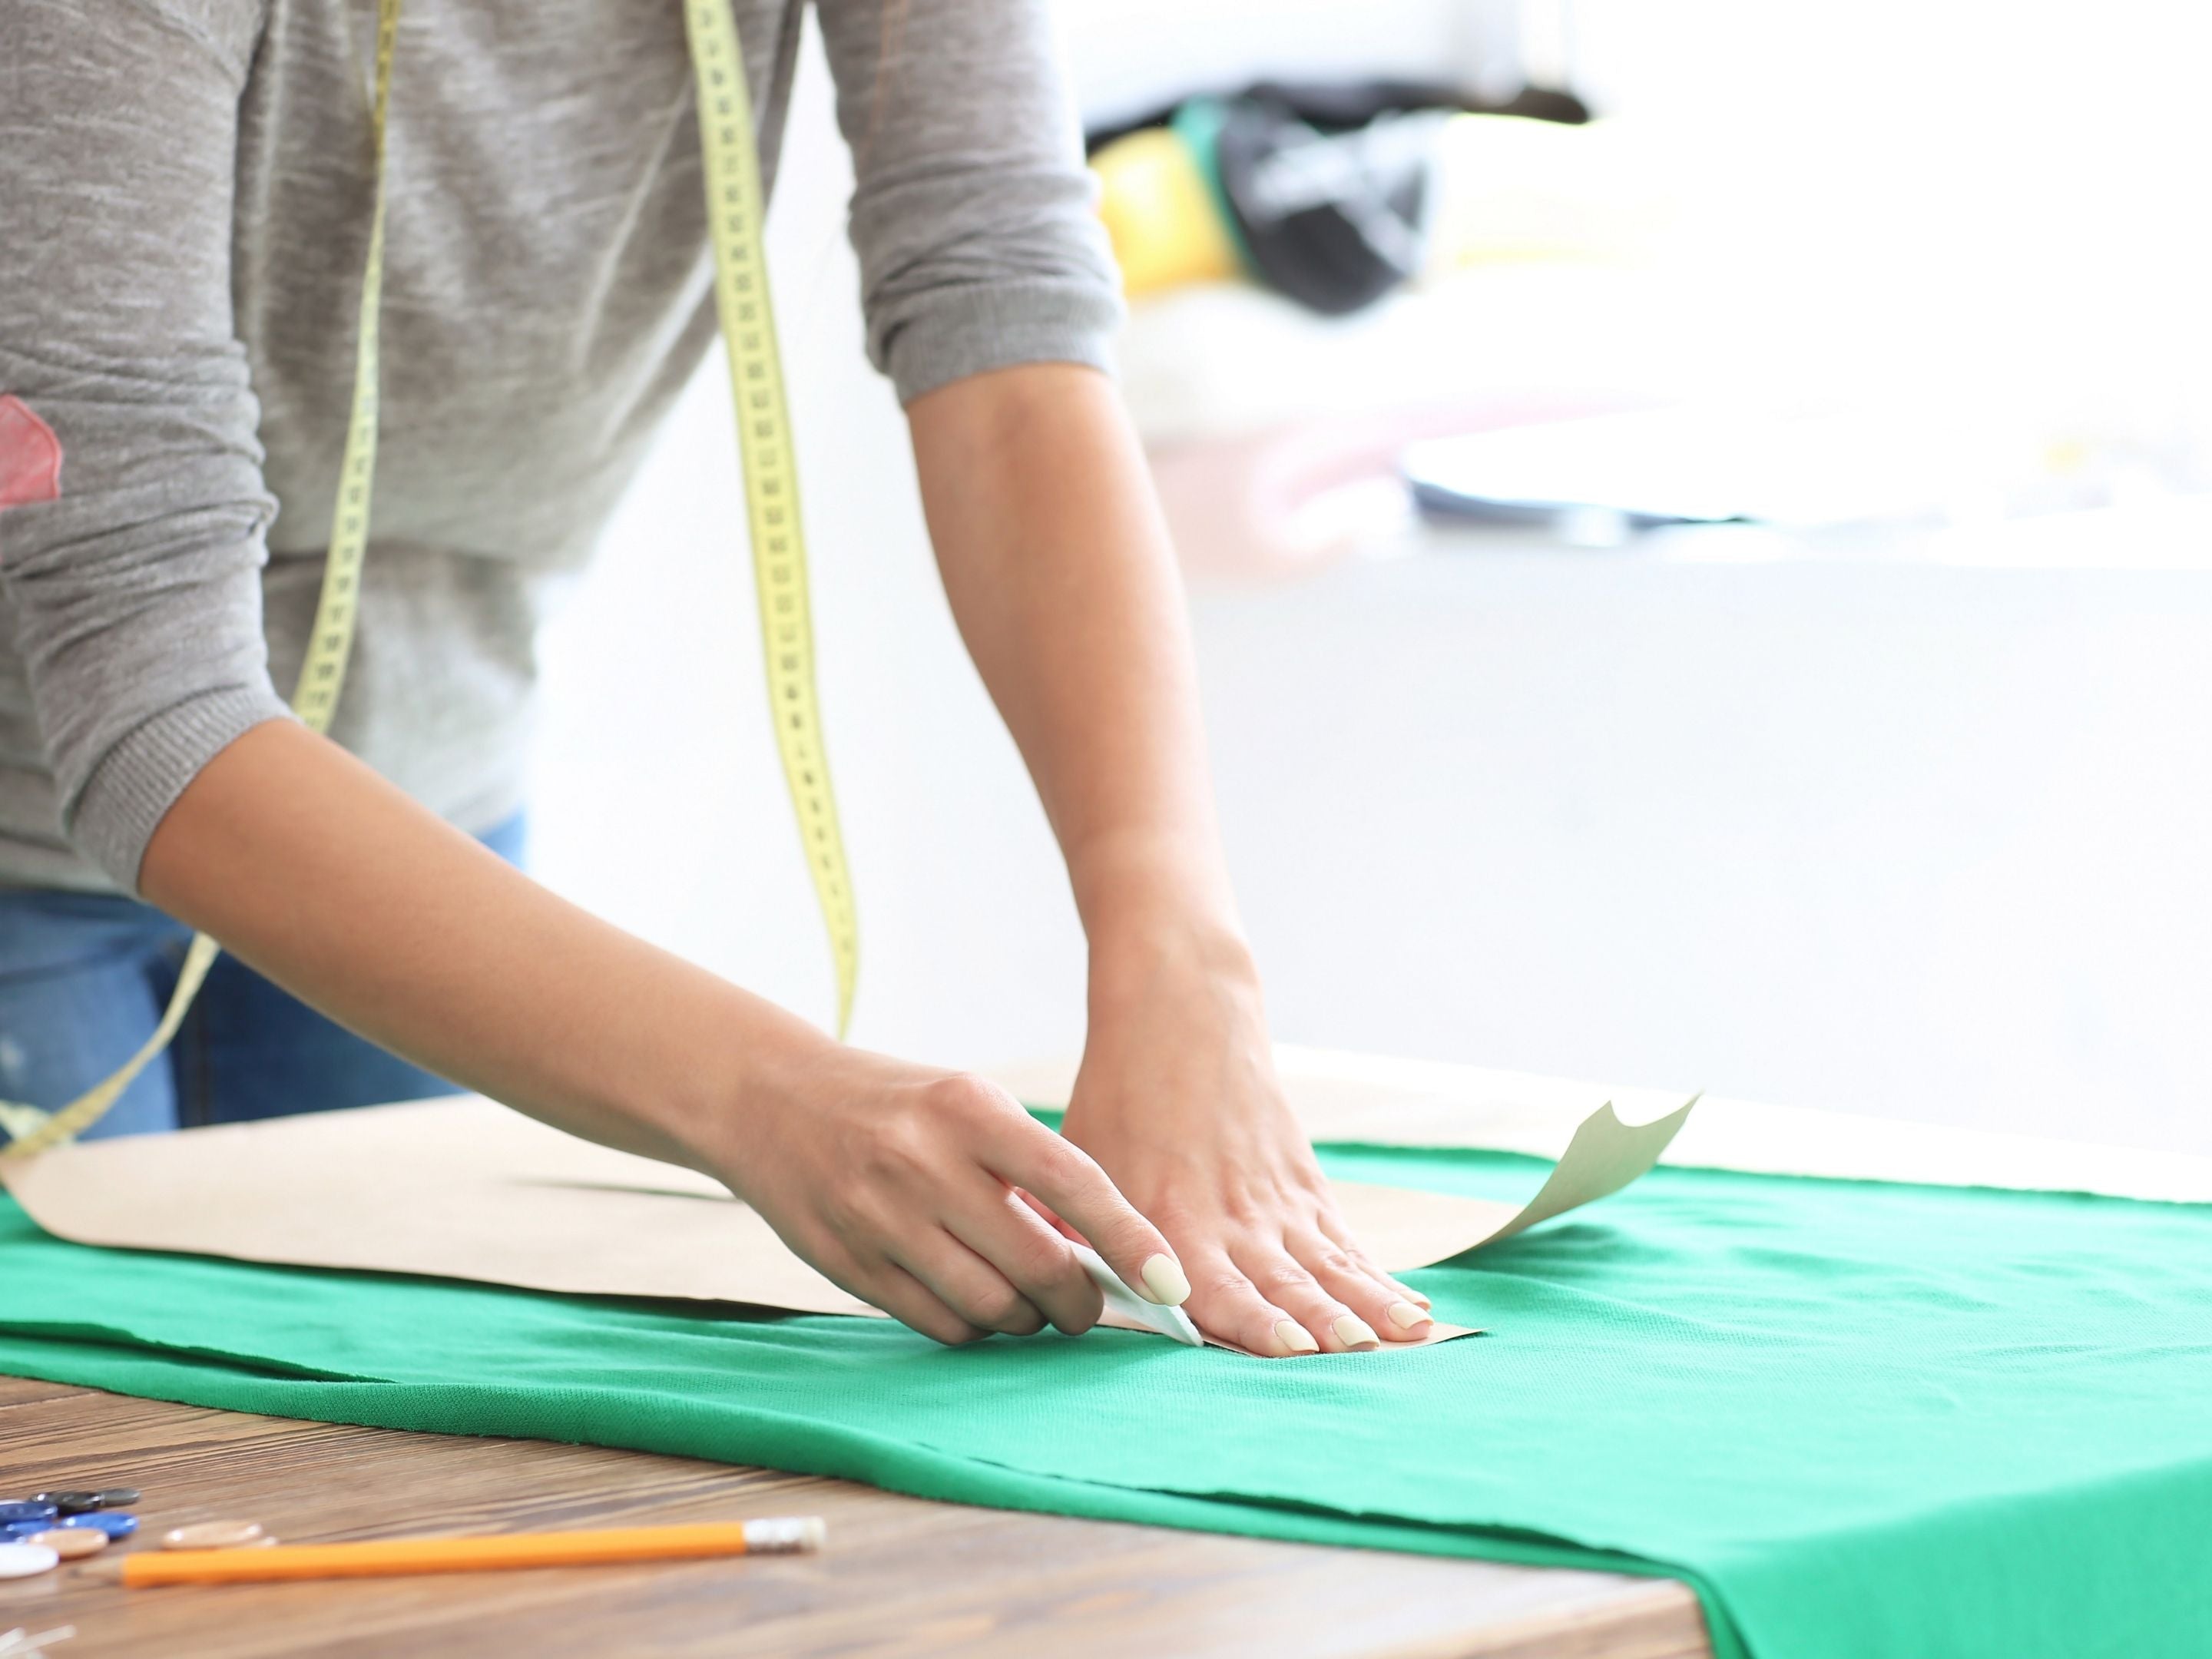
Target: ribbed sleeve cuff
955 332
141 777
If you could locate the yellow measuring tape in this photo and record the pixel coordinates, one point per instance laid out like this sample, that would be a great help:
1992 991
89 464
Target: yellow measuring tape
734 212
733 229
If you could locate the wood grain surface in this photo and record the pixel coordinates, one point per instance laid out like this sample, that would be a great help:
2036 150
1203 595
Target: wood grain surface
902 1576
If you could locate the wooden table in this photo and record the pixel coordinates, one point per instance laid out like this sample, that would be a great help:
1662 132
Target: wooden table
903 1575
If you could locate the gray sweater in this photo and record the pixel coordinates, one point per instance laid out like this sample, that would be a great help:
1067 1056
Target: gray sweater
185 194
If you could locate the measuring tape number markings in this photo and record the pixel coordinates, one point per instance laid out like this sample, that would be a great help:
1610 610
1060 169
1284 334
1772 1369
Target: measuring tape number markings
734 212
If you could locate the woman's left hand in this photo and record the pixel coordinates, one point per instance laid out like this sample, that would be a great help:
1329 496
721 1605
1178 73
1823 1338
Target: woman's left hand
1178 1100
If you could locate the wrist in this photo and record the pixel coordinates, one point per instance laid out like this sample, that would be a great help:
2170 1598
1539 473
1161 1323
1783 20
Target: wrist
1176 954
732 1067
1136 893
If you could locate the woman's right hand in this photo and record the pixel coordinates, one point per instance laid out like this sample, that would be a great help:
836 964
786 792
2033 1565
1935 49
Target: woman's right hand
904 1185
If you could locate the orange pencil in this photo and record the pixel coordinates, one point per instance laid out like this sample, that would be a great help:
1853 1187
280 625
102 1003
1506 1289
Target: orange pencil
382 1558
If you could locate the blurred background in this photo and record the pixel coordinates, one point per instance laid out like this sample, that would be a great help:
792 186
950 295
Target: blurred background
1714 594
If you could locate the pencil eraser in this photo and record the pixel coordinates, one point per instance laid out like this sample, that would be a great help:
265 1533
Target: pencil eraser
794 1534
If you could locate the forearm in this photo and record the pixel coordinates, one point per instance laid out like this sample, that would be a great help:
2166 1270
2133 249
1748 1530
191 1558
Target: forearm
1064 585
310 867
1062 580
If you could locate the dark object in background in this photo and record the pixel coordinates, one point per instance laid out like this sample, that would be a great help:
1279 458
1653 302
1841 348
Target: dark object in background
1338 106
1326 186
1333 220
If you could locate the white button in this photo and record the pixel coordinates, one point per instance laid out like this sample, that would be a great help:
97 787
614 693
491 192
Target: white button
27 1560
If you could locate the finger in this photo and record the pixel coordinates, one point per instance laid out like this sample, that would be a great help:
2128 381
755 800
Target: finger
1226 1305
910 1302
964 1282
1333 1323
1036 1259
881 1283
1041 1209
1397 1287
1024 1153
1373 1296
1332 1227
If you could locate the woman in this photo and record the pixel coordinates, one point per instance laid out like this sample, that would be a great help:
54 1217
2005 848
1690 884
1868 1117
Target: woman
186 189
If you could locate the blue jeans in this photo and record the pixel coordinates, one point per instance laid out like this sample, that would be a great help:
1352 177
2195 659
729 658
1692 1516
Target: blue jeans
84 977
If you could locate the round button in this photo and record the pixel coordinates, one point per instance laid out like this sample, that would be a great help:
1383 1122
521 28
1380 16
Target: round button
27 1560
33 1510
108 1523
69 1503
70 1543
212 1535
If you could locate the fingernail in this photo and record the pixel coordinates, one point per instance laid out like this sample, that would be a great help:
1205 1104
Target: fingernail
1406 1315
1164 1283
1356 1332
1294 1337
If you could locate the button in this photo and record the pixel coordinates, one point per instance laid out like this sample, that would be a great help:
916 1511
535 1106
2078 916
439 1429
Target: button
212 1535
33 1510
69 1503
27 1560
109 1523
112 1523
70 1543
118 1498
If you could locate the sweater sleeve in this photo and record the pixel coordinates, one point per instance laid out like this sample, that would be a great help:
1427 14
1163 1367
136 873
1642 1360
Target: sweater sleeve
133 565
972 208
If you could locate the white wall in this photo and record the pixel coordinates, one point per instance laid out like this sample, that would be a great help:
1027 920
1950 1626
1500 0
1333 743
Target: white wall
1130 56
1916 840
2007 196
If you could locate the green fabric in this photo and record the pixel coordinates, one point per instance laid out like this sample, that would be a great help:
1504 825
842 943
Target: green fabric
1861 1419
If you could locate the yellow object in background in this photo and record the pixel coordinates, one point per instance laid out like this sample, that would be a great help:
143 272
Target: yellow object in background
1502 189
1161 215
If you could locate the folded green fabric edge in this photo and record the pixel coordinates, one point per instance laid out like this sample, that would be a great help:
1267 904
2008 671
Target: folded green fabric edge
802 1446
